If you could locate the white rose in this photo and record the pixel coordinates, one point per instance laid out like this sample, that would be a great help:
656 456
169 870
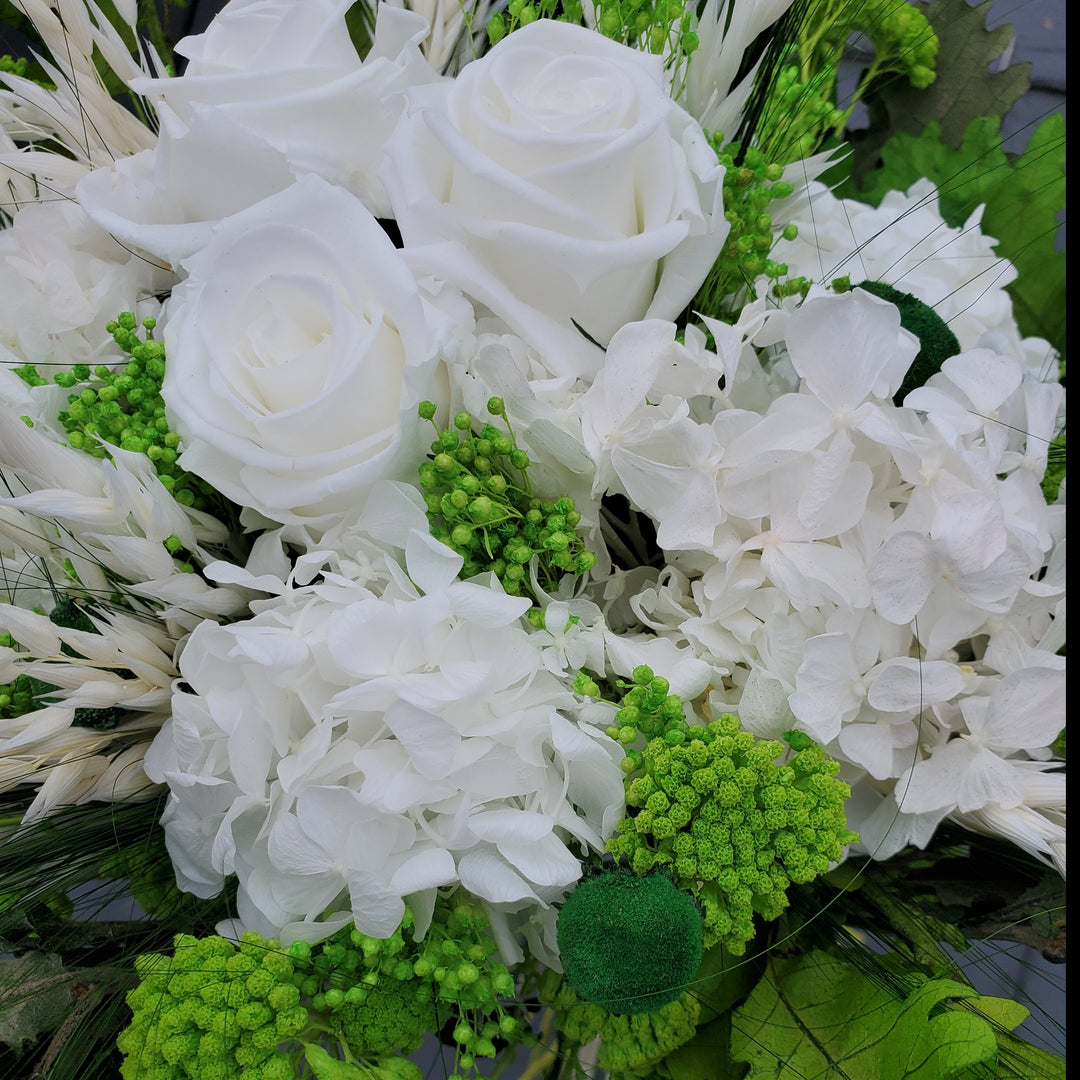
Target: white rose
555 181
61 280
297 350
287 73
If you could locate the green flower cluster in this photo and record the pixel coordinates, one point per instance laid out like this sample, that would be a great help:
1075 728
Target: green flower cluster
904 44
712 804
10 65
215 1009
479 503
656 26
749 187
124 407
627 1043
798 114
520 13
24 69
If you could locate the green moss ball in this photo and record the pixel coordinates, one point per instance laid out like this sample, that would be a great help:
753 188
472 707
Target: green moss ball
629 944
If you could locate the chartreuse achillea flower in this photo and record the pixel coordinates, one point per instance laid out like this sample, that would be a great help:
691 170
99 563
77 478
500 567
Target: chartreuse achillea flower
480 504
627 1042
714 807
216 1009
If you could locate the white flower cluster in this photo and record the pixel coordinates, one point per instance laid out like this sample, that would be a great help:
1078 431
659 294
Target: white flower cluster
888 579
350 725
375 745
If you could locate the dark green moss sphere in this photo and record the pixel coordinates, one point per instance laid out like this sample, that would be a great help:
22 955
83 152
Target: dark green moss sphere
629 944
936 341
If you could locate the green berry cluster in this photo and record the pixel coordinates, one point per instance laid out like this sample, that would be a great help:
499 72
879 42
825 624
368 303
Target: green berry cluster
749 187
399 987
479 503
215 1009
646 709
520 13
124 407
656 26
648 26
903 39
732 824
798 114
626 1042
904 44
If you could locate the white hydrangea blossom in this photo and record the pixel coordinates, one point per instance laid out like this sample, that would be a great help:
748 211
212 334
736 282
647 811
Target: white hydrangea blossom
846 564
345 749
904 242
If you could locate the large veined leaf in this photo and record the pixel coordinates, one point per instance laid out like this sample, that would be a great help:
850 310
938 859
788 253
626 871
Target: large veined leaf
1022 197
971 81
816 1017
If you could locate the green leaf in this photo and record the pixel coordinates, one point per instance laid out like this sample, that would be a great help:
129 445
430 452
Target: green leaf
812 1016
35 998
1022 197
816 1016
968 83
707 1056
723 981
1017 1060
925 1047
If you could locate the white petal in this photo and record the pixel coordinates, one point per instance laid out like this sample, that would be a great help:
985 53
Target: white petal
377 911
431 742
960 774
910 683
901 576
508 824
431 564
488 876
1027 709
424 870
547 862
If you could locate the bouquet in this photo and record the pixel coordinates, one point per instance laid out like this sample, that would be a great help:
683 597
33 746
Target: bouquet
523 532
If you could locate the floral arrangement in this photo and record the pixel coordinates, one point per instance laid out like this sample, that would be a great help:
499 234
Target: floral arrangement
518 527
